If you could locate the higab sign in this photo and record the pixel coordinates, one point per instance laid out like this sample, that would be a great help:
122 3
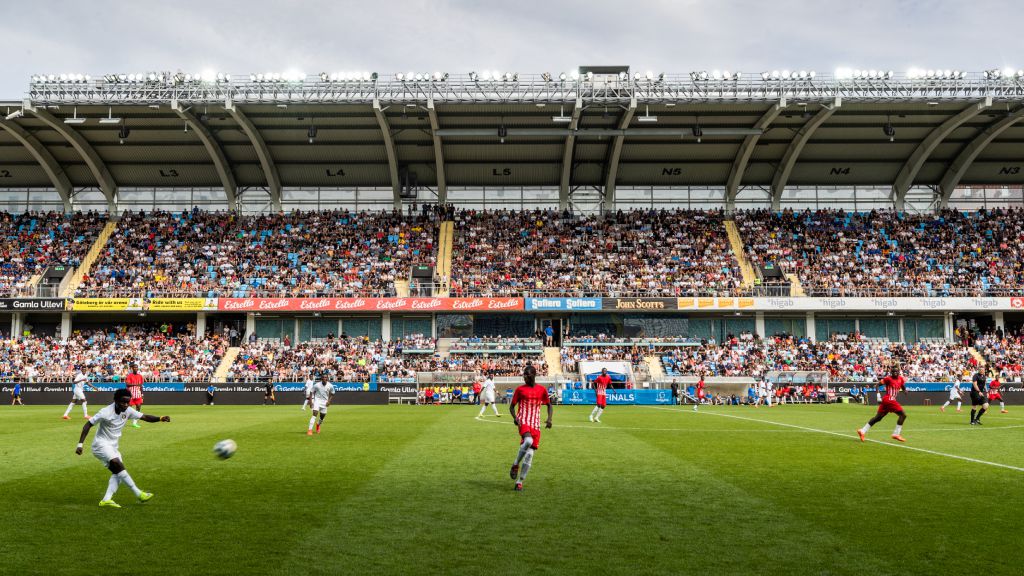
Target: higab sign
370 304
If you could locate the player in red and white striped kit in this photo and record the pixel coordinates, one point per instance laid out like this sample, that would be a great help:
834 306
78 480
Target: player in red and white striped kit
601 384
528 398
893 383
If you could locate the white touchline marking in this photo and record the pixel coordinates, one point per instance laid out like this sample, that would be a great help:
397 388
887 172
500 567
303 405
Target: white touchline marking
842 435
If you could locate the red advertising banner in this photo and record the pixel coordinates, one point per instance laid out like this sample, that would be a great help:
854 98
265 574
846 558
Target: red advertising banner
369 304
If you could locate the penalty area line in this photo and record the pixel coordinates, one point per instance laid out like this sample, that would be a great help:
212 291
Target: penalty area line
842 435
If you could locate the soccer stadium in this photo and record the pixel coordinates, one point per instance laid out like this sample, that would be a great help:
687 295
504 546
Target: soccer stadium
767 322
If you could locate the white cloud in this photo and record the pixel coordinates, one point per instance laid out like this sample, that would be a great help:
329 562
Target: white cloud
526 36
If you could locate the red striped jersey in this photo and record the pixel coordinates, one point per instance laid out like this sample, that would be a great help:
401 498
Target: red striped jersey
993 386
601 384
134 384
893 386
530 399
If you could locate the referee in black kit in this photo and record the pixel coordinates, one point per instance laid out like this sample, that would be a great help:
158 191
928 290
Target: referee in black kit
979 397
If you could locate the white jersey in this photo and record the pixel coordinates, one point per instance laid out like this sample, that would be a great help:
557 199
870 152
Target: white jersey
79 384
322 393
954 391
488 387
309 387
110 424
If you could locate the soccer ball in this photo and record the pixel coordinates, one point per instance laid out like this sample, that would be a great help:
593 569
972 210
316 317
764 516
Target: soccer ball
225 449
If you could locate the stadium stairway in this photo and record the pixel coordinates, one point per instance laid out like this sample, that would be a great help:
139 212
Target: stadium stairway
553 356
746 270
90 258
977 356
402 288
221 373
444 346
30 286
795 287
654 368
445 243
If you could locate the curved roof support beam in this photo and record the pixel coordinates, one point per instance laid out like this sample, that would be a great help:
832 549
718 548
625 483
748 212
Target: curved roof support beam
54 171
389 147
567 154
955 172
220 162
96 164
739 164
908 173
262 152
614 153
442 183
785 168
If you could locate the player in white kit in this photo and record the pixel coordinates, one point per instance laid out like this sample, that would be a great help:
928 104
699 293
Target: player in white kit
309 390
78 394
769 392
322 393
110 421
487 396
954 395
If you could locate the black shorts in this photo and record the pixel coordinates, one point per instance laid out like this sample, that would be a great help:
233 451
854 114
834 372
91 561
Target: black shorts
978 399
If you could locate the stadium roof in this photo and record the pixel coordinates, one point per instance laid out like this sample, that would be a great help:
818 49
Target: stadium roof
599 131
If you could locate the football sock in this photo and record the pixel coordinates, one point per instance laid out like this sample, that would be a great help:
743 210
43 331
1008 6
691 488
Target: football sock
898 430
312 421
980 414
1002 406
973 411
958 403
495 406
483 408
127 481
112 487
866 428
599 412
85 409
593 412
70 406
527 463
946 404
526 445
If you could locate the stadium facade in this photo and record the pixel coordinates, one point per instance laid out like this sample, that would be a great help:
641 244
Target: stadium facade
600 139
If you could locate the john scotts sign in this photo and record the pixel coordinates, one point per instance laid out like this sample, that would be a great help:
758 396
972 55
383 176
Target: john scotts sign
639 304
32 304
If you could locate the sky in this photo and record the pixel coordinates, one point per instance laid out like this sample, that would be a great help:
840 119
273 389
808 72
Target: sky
527 36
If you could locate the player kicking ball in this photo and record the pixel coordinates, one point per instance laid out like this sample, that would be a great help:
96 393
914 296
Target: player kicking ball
78 395
893 383
321 395
111 421
528 398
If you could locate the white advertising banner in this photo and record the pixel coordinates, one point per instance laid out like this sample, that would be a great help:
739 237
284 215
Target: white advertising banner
852 304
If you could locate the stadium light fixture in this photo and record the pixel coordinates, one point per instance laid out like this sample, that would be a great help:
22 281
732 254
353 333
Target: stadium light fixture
562 76
889 131
502 133
311 133
75 119
562 118
16 114
546 77
647 115
698 132
110 117
473 77
123 134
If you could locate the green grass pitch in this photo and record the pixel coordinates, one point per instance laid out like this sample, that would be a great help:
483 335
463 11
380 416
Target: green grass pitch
425 490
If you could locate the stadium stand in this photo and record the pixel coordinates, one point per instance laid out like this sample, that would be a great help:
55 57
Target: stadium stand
648 253
886 253
337 253
31 241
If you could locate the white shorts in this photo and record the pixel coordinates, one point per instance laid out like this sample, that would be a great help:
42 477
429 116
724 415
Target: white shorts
105 453
78 396
488 398
953 395
320 407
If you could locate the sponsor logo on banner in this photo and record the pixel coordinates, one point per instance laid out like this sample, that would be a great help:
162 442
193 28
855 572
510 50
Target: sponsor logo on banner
725 303
683 303
107 304
368 304
563 303
1016 302
639 303
182 304
705 302
32 304
746 302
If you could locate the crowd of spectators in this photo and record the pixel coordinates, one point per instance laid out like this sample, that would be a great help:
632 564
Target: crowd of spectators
850 358
635 253
1003 353
571 356
164 353
887 253
340 359
297 254
31 241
